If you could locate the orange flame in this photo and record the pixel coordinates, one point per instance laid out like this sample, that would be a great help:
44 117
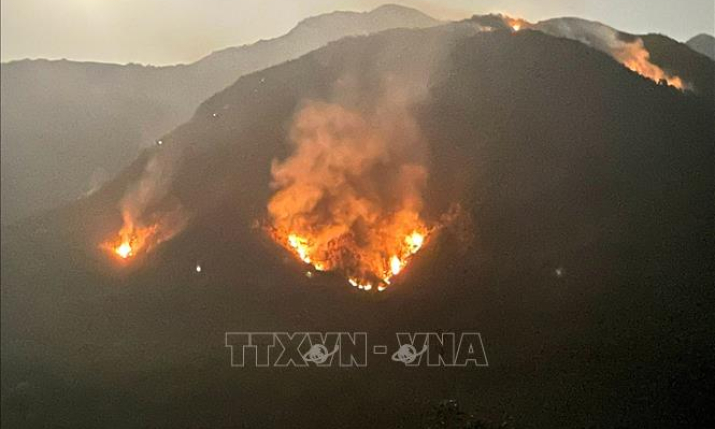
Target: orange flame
635 57
124 250
629 51
131 240
395 265
368 267
349 199
516 24
165 220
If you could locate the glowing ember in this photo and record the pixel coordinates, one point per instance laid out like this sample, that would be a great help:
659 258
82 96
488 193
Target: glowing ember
300 245
415 241
395 265
130 240
124 250
516 24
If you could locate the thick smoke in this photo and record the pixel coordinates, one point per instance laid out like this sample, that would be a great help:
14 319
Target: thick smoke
353 186
350 197
631 53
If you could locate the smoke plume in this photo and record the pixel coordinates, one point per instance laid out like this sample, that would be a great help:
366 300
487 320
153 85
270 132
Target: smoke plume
149 217
349 198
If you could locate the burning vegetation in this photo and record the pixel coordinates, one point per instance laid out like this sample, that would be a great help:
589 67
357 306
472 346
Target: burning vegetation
131 239
636 57
134 238
516 24
628 50
142 228
349 199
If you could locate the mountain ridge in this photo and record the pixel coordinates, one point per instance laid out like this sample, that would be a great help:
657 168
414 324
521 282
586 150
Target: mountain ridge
561 168
122 108
703 43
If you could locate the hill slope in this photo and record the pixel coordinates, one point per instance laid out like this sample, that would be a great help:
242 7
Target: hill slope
660 55
68 126
561 158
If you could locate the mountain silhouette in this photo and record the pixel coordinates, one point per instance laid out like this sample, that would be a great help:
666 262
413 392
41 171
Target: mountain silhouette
68 126
704 44
585 262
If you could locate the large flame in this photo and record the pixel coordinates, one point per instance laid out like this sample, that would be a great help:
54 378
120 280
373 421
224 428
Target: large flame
370 266
636 57
349 198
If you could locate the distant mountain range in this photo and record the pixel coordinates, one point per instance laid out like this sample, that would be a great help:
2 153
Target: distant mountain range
703 43
584 256
69 126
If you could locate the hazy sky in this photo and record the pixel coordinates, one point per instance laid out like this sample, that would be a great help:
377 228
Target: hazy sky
174 31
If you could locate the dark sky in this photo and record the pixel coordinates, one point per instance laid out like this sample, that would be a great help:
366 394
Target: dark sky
173 31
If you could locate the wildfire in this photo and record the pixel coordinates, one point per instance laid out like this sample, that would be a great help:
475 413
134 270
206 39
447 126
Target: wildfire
395 265
372 268
629 51
300 245
130 241
636 58
124 250
149 218
516 24
349 199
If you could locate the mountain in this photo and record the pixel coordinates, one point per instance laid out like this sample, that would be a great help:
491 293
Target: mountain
653 55
703 43
584 258
68 126
695 69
